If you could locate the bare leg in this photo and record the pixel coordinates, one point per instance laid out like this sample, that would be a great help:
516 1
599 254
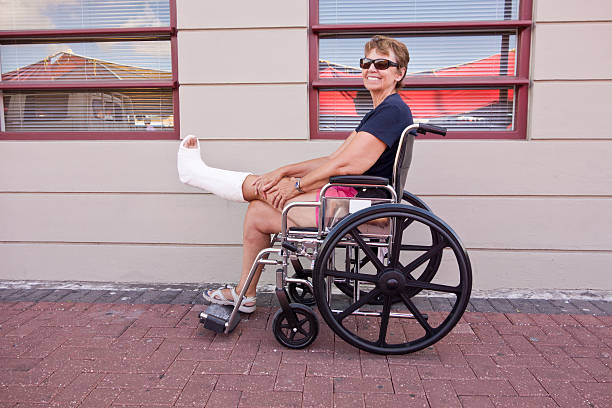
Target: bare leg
260 221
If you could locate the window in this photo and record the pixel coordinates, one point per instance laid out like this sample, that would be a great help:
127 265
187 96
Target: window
90 69
468 70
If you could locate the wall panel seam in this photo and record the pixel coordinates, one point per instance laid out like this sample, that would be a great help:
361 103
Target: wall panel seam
238 246
573 22
467 196
120 243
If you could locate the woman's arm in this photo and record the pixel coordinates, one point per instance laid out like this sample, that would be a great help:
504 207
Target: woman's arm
354 157
269 180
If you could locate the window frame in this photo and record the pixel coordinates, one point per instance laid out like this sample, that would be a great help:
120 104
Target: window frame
520 81
95 33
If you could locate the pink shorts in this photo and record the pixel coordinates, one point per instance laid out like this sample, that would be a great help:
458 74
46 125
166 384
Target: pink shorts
336 191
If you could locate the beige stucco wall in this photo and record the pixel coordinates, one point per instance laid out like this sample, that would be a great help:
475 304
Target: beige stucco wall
533 214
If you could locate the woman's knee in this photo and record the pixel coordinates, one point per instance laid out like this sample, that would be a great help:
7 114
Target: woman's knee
260 218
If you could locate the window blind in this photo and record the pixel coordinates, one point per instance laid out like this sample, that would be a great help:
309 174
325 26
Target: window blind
83 14
475 108
104 110
414 11
484 54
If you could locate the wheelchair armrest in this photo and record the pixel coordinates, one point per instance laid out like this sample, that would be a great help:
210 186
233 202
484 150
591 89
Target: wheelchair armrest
361 180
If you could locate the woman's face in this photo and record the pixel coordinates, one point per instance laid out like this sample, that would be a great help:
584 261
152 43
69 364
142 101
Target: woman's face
381 80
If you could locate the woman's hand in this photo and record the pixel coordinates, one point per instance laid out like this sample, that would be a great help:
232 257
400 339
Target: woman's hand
281 192
266 181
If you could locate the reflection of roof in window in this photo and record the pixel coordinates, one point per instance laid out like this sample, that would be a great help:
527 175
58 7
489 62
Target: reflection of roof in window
65 65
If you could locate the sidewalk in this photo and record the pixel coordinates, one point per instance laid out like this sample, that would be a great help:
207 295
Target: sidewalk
97 348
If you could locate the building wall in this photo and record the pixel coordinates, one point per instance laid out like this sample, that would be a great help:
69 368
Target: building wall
533 213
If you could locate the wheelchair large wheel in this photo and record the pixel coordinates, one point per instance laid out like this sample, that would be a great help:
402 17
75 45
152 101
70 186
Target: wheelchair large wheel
425 276
406 231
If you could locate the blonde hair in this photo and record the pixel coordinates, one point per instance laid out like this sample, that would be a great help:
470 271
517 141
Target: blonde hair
385 44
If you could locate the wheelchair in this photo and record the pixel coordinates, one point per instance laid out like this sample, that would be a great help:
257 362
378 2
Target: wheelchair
371 262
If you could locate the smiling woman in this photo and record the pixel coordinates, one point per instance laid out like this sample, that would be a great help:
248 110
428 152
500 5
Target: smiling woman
90 69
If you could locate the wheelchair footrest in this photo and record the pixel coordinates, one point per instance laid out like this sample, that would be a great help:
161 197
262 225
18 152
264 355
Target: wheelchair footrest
216 317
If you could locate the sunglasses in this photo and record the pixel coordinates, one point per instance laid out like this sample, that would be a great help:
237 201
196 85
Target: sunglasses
379 63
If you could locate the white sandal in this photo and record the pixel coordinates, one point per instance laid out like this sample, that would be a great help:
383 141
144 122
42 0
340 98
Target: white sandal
217 297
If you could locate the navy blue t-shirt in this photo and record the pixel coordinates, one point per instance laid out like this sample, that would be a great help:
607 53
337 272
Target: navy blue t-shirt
386 122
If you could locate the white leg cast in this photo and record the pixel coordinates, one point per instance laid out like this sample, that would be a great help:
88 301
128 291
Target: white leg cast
194 172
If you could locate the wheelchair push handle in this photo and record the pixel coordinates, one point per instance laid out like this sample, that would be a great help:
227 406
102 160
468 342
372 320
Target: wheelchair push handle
424 128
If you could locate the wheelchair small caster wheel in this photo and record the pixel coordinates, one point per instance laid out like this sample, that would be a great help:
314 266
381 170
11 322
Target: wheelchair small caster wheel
301 293
300 336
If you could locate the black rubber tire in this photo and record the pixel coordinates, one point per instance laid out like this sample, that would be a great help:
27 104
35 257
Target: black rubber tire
308 327
386 278
301 293
428 273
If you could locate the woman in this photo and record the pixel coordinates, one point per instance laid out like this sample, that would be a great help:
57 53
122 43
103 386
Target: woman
369 150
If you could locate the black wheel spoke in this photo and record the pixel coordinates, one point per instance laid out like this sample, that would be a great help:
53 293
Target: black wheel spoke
426 256
433 286
416 247
368 251
362 301
417 314
384 321
359 276
292 335
398 233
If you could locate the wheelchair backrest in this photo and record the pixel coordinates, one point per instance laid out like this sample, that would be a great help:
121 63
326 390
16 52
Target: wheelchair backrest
403 158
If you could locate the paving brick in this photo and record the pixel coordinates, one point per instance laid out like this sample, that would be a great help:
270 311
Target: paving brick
561 374
318 392
395 400
445 373
250 383
524 402
482 305
371 385
349 400
223 367
222 399
129 380
273 399
450 355
565 394
520 345
335 368
266 363
523 306
78 389
197 391
177 375
596 368
475 401
502 305
440 394
290 377
147 396
523 382
100 398
374 366
599 394
405 379
483 387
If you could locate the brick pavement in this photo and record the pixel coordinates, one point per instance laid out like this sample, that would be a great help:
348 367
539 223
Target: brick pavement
89 348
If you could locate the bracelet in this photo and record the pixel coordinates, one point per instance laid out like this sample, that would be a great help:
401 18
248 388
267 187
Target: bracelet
297 186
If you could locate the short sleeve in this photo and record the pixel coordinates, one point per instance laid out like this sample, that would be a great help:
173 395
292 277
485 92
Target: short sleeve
385 124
